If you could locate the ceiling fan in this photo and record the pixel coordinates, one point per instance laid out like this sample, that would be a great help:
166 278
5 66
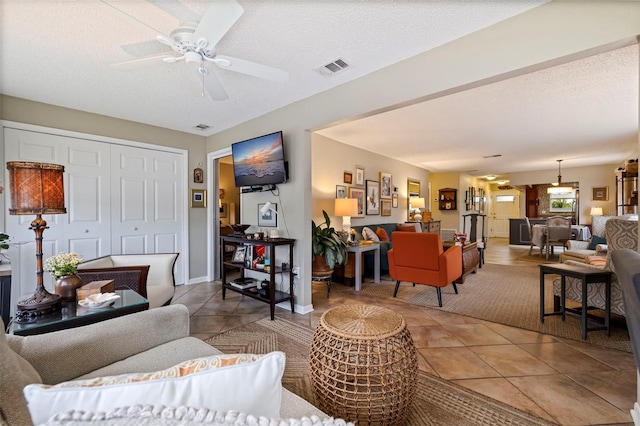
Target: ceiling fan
194 42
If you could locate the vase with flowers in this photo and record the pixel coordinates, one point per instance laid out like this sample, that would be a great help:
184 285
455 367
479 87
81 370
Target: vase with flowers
63 267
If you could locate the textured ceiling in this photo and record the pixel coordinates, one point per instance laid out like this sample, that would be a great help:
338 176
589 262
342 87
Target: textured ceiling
586 112
59 52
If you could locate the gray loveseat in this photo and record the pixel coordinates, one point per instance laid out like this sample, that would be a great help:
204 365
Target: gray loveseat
143 342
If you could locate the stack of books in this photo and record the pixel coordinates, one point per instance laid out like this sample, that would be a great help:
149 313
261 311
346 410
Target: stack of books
244 283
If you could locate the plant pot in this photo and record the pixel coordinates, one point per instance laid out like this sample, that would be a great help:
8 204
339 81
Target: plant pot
319 267
67 285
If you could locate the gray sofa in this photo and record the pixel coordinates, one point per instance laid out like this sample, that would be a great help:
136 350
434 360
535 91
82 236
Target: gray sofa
384 246
627 265
143 342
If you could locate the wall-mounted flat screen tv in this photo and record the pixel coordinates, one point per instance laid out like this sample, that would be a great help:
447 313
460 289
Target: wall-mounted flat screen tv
259 161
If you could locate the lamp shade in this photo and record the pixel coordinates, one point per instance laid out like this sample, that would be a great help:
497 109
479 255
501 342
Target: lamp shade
346 207
596 211
559 190
36 188
417 203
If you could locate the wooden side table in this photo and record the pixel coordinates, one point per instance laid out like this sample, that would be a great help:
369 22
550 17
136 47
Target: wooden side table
588 276
363 364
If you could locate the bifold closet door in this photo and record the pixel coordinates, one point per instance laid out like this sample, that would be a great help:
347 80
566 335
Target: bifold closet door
147 214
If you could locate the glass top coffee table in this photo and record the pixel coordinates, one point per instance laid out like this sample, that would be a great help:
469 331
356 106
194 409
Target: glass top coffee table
73 315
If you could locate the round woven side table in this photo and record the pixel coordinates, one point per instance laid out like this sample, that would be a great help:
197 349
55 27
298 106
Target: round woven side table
363 364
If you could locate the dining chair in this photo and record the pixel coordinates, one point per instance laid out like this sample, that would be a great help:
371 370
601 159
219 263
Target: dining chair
558 232
531 243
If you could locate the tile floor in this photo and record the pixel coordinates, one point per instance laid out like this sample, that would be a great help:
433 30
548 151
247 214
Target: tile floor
564 381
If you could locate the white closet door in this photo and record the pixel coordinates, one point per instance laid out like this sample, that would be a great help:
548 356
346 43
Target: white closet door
146 207
85 228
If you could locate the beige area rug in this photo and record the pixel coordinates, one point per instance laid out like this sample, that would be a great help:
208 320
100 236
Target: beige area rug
507 295
437 402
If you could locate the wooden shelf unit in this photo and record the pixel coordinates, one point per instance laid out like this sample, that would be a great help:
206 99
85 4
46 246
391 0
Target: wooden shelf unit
448 199
275 296
626 193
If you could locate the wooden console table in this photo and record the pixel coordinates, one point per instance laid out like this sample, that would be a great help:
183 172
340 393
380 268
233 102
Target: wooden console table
470 258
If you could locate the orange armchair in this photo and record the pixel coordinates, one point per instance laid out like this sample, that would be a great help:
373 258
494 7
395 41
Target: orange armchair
418 257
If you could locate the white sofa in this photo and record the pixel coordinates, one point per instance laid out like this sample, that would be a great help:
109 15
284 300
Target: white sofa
144 342
160 279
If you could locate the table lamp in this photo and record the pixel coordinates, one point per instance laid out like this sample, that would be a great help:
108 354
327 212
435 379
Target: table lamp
417 203
346 207
596 211
37 189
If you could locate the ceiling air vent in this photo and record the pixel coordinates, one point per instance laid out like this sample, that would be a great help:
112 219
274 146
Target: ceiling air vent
201 127
332 68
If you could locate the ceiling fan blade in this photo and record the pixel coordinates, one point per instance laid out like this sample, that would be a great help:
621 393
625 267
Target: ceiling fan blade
217 20
177 9
251 68
212 85
137 64
145 48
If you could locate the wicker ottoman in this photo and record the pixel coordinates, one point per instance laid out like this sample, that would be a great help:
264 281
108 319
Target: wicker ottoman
363 364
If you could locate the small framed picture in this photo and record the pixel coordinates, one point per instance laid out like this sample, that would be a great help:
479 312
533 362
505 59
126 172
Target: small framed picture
224 209
198 175
270 218
198 198
373 197
394 200
239 254
600 193
347 177
385 185
385 207
341 191
359 176
358 194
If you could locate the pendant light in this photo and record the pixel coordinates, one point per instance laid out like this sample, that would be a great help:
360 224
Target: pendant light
557 188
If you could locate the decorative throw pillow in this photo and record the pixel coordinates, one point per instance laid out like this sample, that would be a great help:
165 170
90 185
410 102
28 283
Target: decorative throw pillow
382 234
368 234
595 240
402 227
159 414
244 382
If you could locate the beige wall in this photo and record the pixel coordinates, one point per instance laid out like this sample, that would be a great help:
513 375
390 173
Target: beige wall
587 178
331 159
24 111
231 194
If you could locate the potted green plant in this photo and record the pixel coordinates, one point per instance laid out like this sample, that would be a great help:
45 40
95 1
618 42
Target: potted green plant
329 248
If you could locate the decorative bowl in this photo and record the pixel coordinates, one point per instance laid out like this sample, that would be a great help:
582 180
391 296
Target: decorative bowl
239 229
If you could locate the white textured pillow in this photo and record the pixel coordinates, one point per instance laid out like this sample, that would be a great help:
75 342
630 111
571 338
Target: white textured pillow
368 234
183 416
245 383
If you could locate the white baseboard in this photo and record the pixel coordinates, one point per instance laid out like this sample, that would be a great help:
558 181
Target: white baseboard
197 280
299 309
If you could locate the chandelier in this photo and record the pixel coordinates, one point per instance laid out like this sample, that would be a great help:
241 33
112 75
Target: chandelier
557 187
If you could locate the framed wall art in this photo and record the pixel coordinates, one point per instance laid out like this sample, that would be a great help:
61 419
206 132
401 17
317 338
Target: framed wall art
385 207
224 210
198 198
358 194
373 197
347 177
600 193
385 185
359 176
239 254
341 191
270 218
